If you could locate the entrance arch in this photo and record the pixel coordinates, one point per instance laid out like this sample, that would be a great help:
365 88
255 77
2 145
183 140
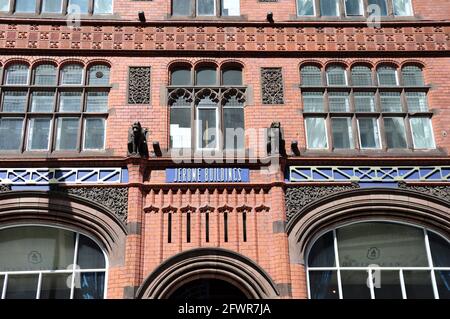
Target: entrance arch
208 289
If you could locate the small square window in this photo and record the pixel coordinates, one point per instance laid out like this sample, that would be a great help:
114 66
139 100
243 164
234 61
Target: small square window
10 133
25 6
78 6
14 101
417 101
316 133
206 7
305 8
97 102
381 6
394 128
313 101
338 102
181 7
103 6
230 8
369 134
42 101
67 133
329 8
38 134
354 8
342 133
94 134
402 7
70 102
364 101
4 5
391 102
422 132
52 6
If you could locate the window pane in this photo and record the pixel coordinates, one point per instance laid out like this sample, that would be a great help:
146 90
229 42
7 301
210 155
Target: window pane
440 250
4 5
338 102
180 77
443 283
391 102
342 133
387 286
232 77
42 101
313 102
206 76
17 74
52 6
67 134
383 244
353 7
55 286
99 75
354 284
305 7
70 102
97 102
22 286
38 136
412 76
103 6
387 76
394 128
207 128
94 133
417 101
381 5
181 7
90 255
91 285
336 75
329 7
34 248
45 74
180 127
323 285
418 284
402 7
361 76
14 101
72 74
311 76
81 6
364 101
368 133
322 253
233 118
206 7
10 133
230 7
316 133
422 132
25 6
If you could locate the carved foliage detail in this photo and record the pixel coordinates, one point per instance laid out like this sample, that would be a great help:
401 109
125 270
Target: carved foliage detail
442 192
272 86
5 188
139 85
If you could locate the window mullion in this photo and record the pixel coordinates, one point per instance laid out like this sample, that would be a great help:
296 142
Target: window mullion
402 284
38 291
338 271
75 255
370 277
5 284
430 263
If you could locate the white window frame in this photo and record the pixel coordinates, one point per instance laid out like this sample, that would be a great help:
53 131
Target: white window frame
198 129
411 8
314 9
326 134
235 15
345 76
5 80
380 146
28 148
83 75
205 15
396 78
432 135
361 10
83 144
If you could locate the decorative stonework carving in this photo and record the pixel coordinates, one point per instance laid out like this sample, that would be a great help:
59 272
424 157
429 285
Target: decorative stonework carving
442 192
272 86
298 197
5 188
139 85
114 198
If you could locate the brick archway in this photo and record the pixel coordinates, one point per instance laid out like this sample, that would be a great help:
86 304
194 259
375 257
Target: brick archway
208 263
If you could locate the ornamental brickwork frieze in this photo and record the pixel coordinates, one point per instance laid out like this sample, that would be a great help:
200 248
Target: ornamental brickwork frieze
168 37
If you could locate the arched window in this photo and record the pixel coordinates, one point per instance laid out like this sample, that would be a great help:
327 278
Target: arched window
311 75
99 75
50 263
205 75
232 76
361 76
17 74
45 74
379 260
72 74
336 75
412 76
181 76
387 76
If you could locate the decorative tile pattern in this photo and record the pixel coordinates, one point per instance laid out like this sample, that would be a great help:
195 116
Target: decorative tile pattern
139 85
272 86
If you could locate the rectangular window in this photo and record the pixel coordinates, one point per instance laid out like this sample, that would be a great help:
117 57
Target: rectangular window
10 133
181 7
207 227
230 8
25 6
42 101
354 8
342 133
4 5
103 6
188 227
381 6
338 102
81 6
417 101
225 227
402 7
180 127
70 102
233 123
52 6
329 8
305 8
313 102
207 128
97 102
244 226
391 102
94 134
316 133
206 7
422 132
67 133
38 134
364 101
169 227
394 128
369 134
14 101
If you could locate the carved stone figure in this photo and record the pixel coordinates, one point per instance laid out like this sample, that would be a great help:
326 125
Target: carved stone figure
137 140
275 141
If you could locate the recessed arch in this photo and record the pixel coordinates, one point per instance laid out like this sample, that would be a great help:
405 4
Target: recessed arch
208 263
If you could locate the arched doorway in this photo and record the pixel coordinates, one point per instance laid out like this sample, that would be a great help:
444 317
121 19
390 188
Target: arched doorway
207 289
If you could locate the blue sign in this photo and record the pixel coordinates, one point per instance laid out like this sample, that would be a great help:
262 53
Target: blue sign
207 175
